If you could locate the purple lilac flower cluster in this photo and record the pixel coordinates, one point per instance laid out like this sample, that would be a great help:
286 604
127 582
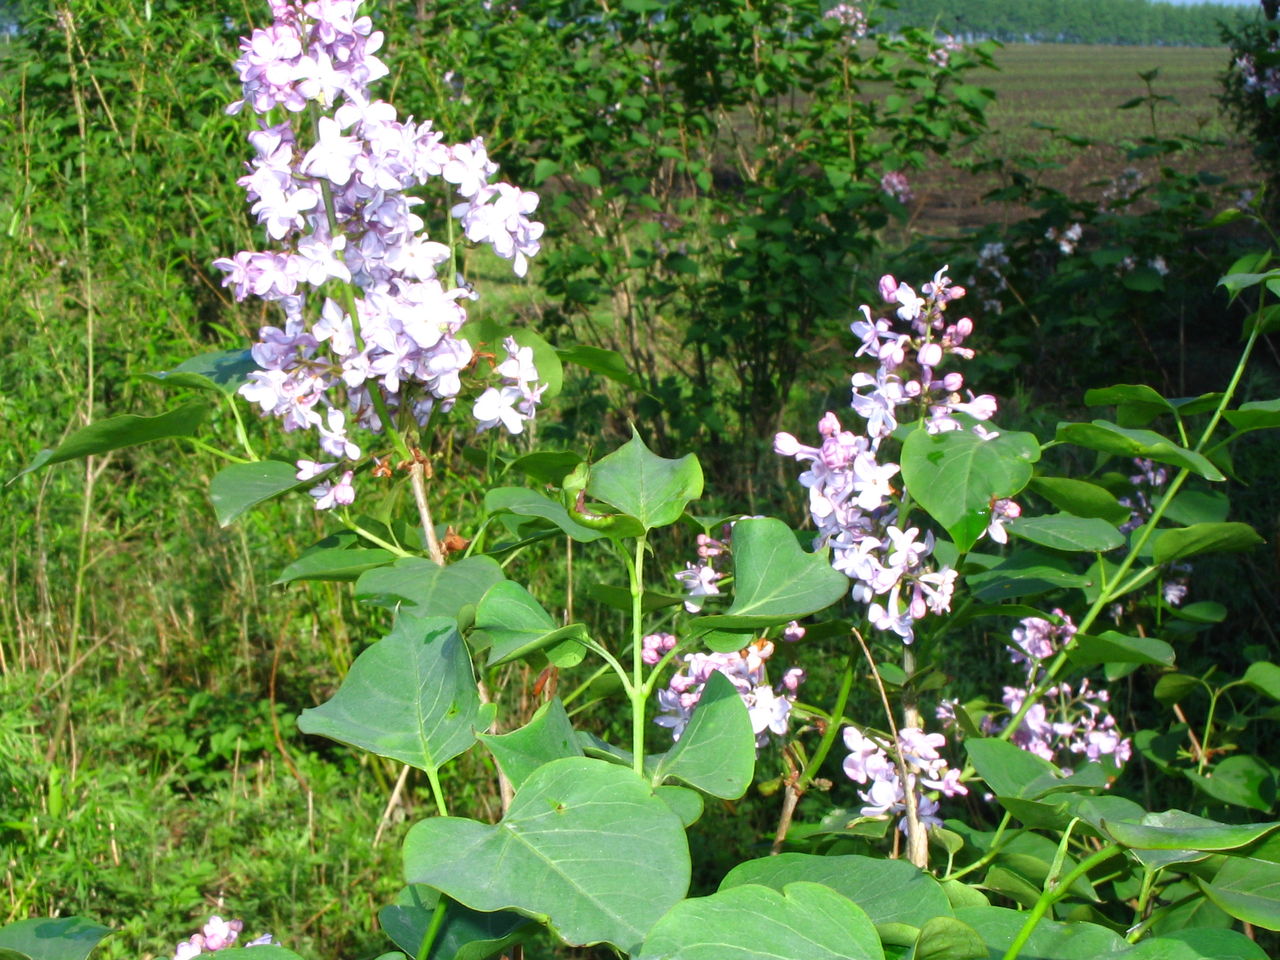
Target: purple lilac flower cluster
851 499
1065 721
1264 80
872 761
337 202
217 934
768 706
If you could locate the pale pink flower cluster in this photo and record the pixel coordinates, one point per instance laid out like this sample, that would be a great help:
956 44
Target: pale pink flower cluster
217 934
1066 722
656 646
873 761
896 185
940 56
339 208
851 16
851 497
769 706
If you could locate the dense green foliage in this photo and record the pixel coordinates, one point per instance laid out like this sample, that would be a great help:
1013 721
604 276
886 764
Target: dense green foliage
1143 22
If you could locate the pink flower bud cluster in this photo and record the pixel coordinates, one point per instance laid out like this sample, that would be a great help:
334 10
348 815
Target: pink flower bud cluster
851 497
339 207
872 761
768 706
217 934
1065 722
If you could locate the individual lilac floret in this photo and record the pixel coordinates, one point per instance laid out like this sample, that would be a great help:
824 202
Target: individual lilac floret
768 706
871 762
339 207
896 185
701 579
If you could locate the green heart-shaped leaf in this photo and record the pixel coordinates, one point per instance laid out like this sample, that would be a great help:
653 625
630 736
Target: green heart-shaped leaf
956 475
586 844
411 696
641 484
774 579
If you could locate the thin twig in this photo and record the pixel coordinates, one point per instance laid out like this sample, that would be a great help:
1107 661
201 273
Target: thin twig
391 804
917 852
417 475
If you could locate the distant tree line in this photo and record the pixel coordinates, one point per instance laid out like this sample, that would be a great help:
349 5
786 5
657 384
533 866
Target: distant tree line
1074 21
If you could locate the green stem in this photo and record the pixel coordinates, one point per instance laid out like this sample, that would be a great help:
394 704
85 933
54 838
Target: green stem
1052 895
635 571
216 451
373 538
833 727
433 929
992 852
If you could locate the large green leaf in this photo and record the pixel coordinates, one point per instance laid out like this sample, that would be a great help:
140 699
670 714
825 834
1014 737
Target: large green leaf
1198 506
123 431
956 475
41 938
1265 678
1062 531
515 625
1081 498
607 363
1006 768
1248 888
717 750
222 371
586 844
464 935
750 922
1024 574
890 891
1112 647
547 736
774 579
1136 403
335 563
643 485
431 590
1176 829
530 503
1109 438
946 938
236 489
1050 940
1198 943
1242 780
1229 537
1258 415
411 696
